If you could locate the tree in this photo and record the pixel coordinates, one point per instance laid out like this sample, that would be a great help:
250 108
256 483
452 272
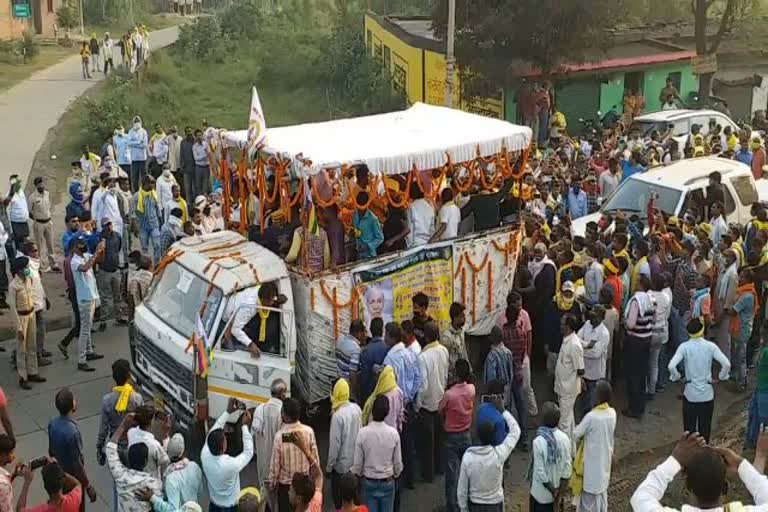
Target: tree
706 45
499 39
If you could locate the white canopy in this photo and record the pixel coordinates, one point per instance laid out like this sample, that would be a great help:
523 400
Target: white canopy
393 143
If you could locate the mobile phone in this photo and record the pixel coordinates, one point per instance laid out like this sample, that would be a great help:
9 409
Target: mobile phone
38 463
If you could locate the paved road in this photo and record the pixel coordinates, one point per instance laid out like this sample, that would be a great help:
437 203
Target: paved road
29 109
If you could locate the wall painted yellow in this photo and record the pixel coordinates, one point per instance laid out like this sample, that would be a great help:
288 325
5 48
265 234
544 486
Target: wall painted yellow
421 73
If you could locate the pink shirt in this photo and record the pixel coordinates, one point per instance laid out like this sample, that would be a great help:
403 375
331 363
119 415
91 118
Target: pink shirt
457 407
70 502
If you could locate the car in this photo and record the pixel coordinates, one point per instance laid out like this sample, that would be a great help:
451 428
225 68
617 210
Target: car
679 186
681 120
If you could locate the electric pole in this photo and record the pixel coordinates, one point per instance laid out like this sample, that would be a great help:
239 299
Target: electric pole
449 58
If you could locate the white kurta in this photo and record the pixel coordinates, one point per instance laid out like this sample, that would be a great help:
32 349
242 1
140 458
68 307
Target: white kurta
597 429
164 194
267 421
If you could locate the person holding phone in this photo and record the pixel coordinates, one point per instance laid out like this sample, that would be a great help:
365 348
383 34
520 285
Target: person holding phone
65 494
222 470
87 297
306 493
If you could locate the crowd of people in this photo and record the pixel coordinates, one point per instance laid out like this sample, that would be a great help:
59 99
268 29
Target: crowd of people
133 47
641 300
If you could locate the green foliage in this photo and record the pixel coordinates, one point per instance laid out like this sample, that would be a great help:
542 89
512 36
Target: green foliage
28 46
67 17
498 39
202 39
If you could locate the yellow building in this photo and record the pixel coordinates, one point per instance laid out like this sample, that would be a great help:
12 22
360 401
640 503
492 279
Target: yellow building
415 58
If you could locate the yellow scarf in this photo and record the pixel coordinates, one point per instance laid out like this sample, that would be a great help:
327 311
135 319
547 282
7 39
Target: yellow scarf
125 395
143 194
563 303
739 249
559 275
183 207
577 478
759 225
340 394
263 315
386 383
635 277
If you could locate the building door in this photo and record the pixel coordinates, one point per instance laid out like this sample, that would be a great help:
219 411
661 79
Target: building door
633 83
37 15
578 99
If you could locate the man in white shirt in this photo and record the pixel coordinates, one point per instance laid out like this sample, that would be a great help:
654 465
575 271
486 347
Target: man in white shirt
596 430
345 425
697 356
569 371
221 470
705 478
108 207
433 362
18 211
421 219
608 180
449 218
594 337
482 467
157 459
377 458
267 420
551 467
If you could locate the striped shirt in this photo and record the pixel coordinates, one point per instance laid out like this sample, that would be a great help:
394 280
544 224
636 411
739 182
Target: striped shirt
498 365
287 459
686 279
517 339
405 363
347 356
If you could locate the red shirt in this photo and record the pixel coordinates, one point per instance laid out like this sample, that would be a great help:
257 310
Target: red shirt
457 406
70 502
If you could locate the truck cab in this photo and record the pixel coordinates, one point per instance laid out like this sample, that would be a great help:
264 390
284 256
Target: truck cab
195 294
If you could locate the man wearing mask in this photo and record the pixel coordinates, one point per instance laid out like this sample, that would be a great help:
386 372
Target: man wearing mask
202 174
138 144
31 251
122 151
108 207
173 141
107 274
187 164
147 211
124 199
577 200
87 296
165 183
23 303
89 161
40 210
18 211
158 151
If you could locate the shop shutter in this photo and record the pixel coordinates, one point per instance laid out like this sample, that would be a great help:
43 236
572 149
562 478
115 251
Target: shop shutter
578 99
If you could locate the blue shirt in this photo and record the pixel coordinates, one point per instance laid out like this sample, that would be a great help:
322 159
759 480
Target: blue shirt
371 236
405 363
65 444
122 153
138 144
373 355
745 307
74 209
577 204
66 240
627 169
744 156
85 282
489 413
150 219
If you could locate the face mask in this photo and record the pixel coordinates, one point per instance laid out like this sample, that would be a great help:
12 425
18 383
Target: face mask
27 272
136 126
133 266
166 172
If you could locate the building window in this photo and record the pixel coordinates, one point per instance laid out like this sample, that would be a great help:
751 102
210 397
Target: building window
387 58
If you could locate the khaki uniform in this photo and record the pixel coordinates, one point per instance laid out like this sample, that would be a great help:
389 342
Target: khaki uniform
40 212
23 304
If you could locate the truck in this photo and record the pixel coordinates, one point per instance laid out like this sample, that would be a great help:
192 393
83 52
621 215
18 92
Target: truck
181 326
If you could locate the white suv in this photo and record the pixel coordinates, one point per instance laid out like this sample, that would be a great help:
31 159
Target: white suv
681 121
678 186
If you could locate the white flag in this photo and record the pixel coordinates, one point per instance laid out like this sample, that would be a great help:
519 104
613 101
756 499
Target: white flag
257 125
201 332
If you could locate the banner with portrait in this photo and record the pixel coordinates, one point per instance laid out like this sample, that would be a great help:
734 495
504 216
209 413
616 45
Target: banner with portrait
386 290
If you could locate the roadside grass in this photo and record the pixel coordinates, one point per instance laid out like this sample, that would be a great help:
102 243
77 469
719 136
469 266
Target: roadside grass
50 53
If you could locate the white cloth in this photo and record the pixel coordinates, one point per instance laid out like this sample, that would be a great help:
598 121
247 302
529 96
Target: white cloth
223 471
184 485
97 205
109 208
569 361
450 214
164 194
160 150
546 473
433 363
345 424
595 358
38 292
267 420
647 497
4 239
597 429
421 221
18 210
608 182
697 355
480 476
719 228
663 309
244 310
157 459
107 47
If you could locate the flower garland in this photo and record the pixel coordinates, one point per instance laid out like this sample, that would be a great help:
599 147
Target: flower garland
332 297
476 269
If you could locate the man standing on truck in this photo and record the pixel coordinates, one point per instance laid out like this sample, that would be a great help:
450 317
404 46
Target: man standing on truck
257 328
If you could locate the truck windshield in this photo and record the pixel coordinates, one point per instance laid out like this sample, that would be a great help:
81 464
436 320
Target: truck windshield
632 196
646 127
177 299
